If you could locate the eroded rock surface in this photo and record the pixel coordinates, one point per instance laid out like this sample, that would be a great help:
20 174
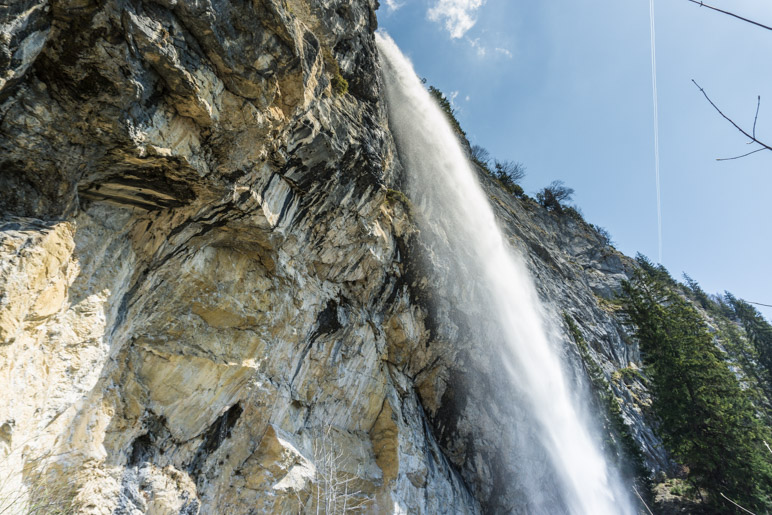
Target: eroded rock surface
213 300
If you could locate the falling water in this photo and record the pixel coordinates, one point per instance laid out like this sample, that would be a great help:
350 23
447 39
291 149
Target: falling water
444 186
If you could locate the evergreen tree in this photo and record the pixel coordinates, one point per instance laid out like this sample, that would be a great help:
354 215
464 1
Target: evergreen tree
708 422
759 331
447 107
698 293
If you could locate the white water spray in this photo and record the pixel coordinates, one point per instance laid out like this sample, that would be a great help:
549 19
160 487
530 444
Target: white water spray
444 186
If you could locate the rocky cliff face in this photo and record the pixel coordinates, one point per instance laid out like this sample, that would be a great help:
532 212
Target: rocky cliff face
213 299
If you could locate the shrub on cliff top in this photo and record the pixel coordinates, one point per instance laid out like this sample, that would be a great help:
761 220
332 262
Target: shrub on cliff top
553 196
509 173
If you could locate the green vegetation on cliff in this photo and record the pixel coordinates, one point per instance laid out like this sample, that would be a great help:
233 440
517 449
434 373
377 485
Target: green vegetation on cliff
758 331
709 421
445 105
338 83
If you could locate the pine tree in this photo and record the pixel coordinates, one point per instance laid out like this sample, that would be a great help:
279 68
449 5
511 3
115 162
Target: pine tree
707 421
759 331
447 107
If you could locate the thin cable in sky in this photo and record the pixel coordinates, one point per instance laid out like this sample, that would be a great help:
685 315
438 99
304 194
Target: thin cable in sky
656 128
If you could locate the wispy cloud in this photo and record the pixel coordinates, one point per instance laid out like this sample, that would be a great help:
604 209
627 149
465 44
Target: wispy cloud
452 97
393 5
457 15
504 52
482 50
479 47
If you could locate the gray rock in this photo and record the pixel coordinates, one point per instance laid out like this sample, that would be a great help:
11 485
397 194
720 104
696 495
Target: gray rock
214 300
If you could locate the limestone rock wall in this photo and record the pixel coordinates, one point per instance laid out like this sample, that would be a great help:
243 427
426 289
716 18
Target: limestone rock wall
212 297
198 253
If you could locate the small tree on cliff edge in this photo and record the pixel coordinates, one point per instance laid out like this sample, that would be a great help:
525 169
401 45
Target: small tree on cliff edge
509 174
553 196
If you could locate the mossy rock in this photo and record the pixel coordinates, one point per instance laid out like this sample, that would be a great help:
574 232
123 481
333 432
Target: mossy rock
396 196
338 82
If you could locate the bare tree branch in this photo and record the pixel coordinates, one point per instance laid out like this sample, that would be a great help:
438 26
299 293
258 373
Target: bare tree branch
641 498
703 4
730 500
738 157
766 147
756 118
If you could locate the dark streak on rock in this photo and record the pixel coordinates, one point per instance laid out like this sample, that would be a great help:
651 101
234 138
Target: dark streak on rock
213 437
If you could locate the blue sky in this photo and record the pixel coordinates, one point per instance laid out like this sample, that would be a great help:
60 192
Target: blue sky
565 88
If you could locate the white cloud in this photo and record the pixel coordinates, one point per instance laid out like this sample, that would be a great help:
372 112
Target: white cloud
457 15
467 98
393 5
482 49
504 51
475 43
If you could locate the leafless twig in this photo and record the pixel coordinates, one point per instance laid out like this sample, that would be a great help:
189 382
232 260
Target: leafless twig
743 509
751 137
738 157
36 494
756 118
641 498
703 4
335 488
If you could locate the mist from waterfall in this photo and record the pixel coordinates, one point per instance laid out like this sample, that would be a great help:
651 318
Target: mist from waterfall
444 187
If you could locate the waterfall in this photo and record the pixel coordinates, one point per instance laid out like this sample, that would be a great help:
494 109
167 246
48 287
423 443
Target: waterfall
443 184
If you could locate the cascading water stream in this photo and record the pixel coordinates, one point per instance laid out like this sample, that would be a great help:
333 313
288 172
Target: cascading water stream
444 186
